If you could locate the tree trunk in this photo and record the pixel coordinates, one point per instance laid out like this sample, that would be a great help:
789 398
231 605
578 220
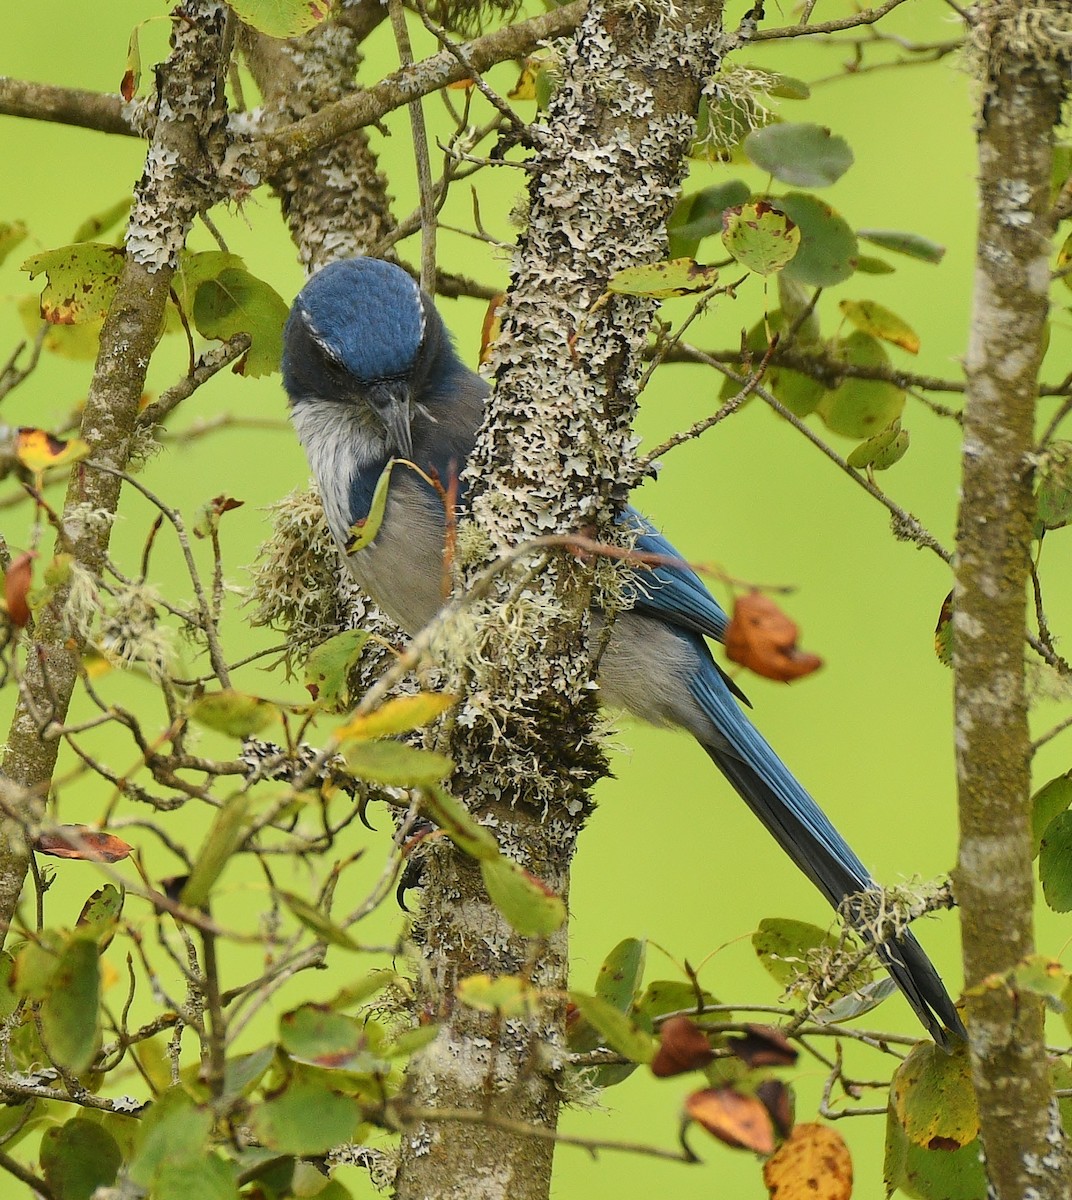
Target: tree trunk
1024 82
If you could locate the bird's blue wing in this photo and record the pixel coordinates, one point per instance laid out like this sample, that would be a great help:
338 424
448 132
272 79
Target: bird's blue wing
672 590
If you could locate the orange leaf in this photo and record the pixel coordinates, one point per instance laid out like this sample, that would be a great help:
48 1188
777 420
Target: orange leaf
813 1163
492 327
17 588
87 844
738 1120
683 1046
763 639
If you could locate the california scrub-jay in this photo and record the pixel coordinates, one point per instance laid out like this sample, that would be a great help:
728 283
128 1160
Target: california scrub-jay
372 375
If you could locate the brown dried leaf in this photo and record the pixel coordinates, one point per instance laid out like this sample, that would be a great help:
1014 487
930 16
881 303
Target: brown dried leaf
778 1101
17 579
763 1046
683 1046
763 639
90 845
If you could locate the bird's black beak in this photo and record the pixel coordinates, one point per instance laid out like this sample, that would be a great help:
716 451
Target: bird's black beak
390 402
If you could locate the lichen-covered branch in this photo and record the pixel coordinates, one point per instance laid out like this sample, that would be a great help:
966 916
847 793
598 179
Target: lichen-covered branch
335 200
167 199
555 453
1024 57
429 75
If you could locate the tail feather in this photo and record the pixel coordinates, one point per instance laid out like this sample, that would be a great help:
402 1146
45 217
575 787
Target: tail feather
805 833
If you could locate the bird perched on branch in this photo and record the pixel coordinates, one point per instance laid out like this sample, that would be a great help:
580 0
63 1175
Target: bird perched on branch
372 375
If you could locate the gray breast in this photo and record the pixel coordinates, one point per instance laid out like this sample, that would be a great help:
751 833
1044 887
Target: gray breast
403 570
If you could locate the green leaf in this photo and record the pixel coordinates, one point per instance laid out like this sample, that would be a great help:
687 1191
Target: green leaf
880 322
914 245
457 823
1048 802
506 995
617 1030
1053 486
1064 260
793 302
36 962
881 451
194 269
931 1174
799 393
100 914
620 976
699 214
242 1073
329 665
317 1034
661 280
80 343
77 1158
1041 976
70 1013
8 998
397 765
786 87
306 1118
664 996
860 408
238 302
862 1000
174 1130
802 155
828 248
867 264
230 824
760 237
12 234
315 921
233 713
530 906
1055 863
93 226
81 281
364 987
282 18
406 1044
364 530
786 947
207 1177
933 1100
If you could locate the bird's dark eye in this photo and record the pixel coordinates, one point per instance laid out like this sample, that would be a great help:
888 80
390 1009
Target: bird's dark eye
335 366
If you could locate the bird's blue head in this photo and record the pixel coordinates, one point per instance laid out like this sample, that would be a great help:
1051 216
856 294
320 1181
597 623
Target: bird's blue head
361 332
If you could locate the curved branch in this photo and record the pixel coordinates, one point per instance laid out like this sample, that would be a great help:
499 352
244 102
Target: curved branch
67 106
166 203
429 75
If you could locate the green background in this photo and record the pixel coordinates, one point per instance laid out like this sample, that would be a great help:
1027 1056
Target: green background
670 853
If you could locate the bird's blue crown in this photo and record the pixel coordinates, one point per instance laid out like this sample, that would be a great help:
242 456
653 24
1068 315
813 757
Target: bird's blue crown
366 314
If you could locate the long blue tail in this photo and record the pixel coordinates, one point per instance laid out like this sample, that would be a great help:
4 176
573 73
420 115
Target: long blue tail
803 831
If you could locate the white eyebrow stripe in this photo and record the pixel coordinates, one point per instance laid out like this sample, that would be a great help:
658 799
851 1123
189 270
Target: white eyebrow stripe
420 307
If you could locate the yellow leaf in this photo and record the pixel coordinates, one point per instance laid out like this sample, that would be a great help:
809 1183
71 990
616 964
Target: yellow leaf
398 715
813 1163
878 321
38 450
